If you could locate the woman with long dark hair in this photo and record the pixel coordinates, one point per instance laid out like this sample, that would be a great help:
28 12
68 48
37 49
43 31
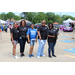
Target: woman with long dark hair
22 36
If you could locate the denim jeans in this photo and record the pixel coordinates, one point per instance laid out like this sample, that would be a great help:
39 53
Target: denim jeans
41 47
51 47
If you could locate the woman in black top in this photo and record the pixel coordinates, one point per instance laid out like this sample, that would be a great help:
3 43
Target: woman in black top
14 39
22 36
52 37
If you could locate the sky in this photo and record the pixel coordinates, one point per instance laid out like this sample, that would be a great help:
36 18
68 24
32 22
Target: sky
59 13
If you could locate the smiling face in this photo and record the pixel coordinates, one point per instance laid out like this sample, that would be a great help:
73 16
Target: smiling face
43 23
15 25
50 26
23 23
32 26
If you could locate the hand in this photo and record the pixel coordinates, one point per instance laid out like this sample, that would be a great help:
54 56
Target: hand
40 38
36 40
29 41
53 36
58 33
13 42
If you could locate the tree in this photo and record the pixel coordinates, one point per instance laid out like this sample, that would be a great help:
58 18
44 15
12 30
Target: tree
65 17
16 17
23 15
10 15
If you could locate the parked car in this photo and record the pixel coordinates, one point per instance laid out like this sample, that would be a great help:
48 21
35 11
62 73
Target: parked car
67 27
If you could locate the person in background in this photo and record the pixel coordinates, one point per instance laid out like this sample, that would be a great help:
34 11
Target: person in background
10 27
42 36
17 25
14 39
32 37
3 26
22 36
52 37
6 27
73 27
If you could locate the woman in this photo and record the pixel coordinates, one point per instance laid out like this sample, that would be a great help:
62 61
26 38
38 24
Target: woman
52 37
42 36
32 37
14 39
22 36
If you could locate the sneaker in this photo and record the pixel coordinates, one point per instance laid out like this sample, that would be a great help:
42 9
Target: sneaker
50 56
15 57
30 56
42 55
23 54
54 55
38 57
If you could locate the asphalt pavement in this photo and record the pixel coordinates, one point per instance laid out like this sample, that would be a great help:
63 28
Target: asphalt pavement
64 49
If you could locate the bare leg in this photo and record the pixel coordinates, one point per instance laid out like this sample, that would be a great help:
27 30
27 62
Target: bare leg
31 50
14 50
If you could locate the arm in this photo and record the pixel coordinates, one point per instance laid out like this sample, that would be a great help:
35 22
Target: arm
50 36
12 37
28 38
39 35
36 38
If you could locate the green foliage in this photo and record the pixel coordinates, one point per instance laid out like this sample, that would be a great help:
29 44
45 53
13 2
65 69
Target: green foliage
9 15
36 17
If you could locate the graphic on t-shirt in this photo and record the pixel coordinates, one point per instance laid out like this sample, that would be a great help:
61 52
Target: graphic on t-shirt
33 33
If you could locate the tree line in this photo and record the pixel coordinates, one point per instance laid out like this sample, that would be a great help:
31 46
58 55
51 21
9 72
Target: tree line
37 17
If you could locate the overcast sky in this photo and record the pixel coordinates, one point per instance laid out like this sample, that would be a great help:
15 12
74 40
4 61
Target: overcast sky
59 13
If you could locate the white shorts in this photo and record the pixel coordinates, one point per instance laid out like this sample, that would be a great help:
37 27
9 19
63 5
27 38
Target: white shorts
15 42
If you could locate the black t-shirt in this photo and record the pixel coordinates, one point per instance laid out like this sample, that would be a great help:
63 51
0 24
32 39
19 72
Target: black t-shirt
22 30
15 33
52 32
43 32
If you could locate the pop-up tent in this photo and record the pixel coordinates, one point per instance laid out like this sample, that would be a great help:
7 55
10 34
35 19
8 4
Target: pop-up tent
68 21
2 21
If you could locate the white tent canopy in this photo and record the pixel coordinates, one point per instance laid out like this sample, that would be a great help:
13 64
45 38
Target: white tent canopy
2 21
68 21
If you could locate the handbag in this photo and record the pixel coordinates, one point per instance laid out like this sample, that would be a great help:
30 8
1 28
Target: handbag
23 36
27 37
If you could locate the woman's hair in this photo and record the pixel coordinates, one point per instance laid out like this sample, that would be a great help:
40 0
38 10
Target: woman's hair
31 25
43 21
24 22
50 24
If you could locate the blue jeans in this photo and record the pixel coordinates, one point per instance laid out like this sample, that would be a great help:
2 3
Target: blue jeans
41 47
32 42
51 47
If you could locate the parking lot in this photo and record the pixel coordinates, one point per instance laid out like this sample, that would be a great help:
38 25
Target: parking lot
64 50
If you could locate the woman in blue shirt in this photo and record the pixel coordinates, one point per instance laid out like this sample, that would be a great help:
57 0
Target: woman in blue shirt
32 37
